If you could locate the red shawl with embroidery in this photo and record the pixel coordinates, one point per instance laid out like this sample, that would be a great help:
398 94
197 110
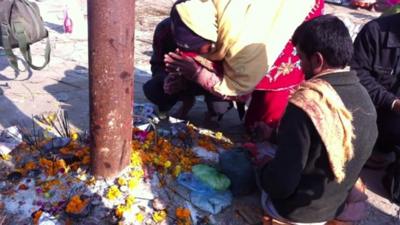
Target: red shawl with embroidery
286 72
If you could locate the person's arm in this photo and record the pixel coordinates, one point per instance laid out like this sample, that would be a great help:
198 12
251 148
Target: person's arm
281 176
162 44
366 48
181 65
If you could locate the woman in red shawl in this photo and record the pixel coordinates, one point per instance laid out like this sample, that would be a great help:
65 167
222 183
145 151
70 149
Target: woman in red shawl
270 98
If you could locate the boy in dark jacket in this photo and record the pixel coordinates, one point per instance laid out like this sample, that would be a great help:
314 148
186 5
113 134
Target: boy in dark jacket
377 63
326 134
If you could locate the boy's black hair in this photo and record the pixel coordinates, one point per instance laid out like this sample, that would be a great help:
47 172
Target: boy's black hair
327 35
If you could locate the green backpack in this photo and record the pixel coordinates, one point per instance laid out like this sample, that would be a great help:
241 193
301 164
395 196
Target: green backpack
20 26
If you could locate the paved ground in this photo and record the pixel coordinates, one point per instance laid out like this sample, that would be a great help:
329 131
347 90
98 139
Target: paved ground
63 84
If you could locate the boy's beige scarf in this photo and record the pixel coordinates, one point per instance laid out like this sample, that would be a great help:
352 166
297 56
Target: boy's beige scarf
332 120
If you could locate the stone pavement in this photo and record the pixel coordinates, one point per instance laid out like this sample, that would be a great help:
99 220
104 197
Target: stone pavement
63 84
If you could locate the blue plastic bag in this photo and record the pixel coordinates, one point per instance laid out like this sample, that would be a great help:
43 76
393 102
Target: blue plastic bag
203 196
189 181
214 203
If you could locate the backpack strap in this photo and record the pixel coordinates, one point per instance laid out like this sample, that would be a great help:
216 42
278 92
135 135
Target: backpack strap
5 36
20 36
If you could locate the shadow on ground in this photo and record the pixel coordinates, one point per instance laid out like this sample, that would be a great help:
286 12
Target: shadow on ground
10 114
72 93
55 27
4 64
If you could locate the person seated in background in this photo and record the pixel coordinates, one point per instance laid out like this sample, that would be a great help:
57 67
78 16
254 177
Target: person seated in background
377 63
326 134
168 87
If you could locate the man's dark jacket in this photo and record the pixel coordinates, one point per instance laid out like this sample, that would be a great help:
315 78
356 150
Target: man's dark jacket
299 179
377 59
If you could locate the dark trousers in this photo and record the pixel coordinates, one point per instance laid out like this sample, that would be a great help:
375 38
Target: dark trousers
154 91
389 132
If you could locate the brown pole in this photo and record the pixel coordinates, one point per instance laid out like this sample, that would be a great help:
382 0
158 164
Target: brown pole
111 44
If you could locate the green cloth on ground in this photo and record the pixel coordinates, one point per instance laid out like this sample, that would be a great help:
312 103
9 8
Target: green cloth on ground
211 177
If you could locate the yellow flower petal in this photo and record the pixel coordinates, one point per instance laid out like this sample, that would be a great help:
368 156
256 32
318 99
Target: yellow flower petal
177 170
137 173
139 217
122 181
113 193
120 210
74 136
159 216
130 201
133 183
218 135
167 164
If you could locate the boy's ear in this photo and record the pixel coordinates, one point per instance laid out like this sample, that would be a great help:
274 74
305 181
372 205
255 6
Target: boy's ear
317 62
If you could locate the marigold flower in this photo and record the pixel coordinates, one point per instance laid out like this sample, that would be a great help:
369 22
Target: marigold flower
74 166
163 155
167 164
139 217
183 216
65 150
61 164
135 159
184 222
46 186
30 165
121 181
36 217
27 167
182 213
130 200
113 193
86 160
207 143
76 205
120 210
133 183
51 168
159 216
74 136
177 170
137 173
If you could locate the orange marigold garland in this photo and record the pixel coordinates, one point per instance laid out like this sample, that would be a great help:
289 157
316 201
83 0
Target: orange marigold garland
36 216
163 155
76 205
51 168
183 216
